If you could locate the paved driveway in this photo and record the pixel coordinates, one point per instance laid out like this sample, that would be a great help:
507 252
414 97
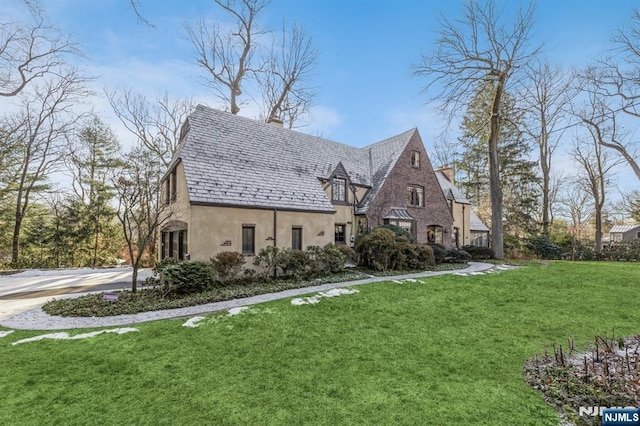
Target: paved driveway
25 290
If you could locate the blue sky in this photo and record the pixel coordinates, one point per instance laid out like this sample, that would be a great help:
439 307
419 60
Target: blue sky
365 88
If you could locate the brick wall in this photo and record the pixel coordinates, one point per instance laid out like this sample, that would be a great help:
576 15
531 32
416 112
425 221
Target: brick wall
393 194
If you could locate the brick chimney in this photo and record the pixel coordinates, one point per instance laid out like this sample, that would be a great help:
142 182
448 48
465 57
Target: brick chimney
447 171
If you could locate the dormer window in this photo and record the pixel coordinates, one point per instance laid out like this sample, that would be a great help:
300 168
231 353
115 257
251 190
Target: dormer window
415 159
339 189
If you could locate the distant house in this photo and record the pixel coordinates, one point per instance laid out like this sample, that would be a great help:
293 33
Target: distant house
624 233
237 184
468 229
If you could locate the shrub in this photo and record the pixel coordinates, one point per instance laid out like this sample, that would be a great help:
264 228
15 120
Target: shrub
267 259
292 262
439 252
349 253
377 249
327 258
227 266
422 258
400 232
186 278
457 256
332 258
543 247
479 253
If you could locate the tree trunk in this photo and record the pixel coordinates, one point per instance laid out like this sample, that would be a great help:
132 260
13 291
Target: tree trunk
598 220
544 166
494 172
15 247
134 280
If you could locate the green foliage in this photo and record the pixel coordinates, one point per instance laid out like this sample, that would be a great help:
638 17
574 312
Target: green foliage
186 278
626 252
400 232
479 253
420 257
518 176
439 252
378 249
543 247
381 250
292 262
267 260
227 266
348 252
327 258
457 256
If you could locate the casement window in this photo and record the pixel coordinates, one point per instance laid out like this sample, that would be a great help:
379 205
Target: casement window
174 245
407 225
174 184
339 189
434 234
415 196
171 187
339 235
296 238
248 239
415 159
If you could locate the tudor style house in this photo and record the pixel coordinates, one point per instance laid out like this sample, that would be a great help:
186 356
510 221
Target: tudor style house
237 184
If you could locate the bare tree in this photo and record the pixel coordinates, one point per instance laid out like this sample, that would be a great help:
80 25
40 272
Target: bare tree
156 124
30 51
227 57
284 82
546 100
594 161
46 117
616 79
480 48
576 206
139 211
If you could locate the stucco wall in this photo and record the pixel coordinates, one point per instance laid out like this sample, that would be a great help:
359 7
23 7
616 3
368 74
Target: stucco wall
461 220
178 209
214 229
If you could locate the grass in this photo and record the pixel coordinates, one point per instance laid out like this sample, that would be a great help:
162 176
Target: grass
450 351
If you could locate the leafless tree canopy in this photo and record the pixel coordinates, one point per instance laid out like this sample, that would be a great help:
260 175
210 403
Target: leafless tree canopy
227 57
29 51
616 80
284 82
39 130
234 59
475 48
156 124
482 47
546 98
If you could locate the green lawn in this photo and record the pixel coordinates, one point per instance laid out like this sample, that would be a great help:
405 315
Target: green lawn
449 351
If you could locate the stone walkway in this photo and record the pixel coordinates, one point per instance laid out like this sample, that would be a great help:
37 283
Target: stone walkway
36 319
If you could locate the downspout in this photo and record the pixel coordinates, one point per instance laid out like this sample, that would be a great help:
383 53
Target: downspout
463 230
275 236
275 227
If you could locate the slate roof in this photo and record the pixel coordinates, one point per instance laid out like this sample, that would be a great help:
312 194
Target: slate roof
233 160
476 224
449 189
623 228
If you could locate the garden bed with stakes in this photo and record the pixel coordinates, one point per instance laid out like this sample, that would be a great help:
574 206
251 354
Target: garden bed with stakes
605 375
